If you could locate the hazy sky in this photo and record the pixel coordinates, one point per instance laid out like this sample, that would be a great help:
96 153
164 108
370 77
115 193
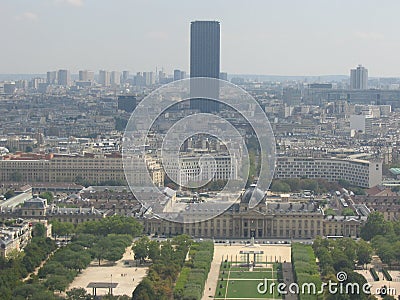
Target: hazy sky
309 37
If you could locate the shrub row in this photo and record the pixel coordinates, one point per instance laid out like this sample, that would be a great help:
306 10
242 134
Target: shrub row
190 284
374 274
180 283
305 268
387 275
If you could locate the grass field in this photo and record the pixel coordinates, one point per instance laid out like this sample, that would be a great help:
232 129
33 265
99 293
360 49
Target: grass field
236 282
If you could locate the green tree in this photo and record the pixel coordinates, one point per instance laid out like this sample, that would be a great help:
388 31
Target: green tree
56 283
114 254
387 253
32 291
347 212
115 224
364 252
48 196
62 228
144 291
99 248
358 191
141 248
154 250
344 183
280 186
330 212
78 294
39 230
375 225
167 250
340 260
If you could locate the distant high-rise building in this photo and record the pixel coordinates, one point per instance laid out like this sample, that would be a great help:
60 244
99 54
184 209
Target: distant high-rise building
161 76
223 76
34 83
52 77
178 75
205 61
104 78
138 79
125 76
64 77
115 78
85 75
148 78
359 78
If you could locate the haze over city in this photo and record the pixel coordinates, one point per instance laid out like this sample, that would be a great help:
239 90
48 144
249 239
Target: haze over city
262 37
195 150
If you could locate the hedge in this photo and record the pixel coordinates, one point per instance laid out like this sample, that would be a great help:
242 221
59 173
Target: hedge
374 274
194 276
305 268
387 275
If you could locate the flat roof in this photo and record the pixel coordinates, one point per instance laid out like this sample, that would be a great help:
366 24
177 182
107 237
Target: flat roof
102 285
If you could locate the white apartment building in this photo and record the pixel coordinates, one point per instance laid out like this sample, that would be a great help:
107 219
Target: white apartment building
357 172
199 169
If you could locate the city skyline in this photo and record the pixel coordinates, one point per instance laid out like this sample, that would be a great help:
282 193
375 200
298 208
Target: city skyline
47 35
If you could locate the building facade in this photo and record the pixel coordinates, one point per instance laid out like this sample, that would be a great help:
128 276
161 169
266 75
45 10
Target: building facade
14 238
205 60
359 78
70 168
357 172
197 169
267 220
38 209
64 77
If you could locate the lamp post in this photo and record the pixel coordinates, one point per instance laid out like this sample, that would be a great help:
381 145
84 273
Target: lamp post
111 286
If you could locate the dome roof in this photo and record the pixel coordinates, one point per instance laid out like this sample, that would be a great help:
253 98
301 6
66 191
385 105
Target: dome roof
252 195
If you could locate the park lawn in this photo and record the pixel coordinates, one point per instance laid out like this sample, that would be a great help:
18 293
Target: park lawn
243 283
252 275
243 289
247 289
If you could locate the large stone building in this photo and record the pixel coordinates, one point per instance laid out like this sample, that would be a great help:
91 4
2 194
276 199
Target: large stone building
388 205
194 168
30 167
357 172
266 220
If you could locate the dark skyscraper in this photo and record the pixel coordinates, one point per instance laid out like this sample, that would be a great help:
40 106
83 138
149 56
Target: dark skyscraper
204 60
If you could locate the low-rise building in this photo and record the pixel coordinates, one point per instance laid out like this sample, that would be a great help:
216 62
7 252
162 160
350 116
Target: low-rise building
38 209
14 238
